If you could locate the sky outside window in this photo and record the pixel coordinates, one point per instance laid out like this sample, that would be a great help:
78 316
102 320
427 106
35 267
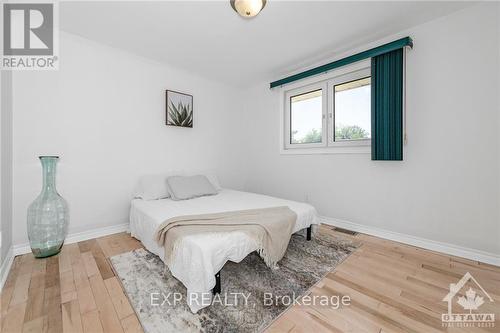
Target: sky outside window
306 117
353 110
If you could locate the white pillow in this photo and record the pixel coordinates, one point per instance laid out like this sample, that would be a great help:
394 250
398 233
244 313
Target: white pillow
182 188
151 187
154 187
212 178
210 174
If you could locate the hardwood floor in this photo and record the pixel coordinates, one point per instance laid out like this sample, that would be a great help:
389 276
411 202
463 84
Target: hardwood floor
75 291
393 288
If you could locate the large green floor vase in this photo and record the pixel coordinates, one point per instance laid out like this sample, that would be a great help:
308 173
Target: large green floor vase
48 215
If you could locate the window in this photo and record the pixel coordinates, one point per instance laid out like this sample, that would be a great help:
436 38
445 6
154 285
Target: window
305 125
352 104
306 117
335 112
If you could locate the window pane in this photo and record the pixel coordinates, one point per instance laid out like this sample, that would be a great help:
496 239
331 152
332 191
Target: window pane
353 110
306 117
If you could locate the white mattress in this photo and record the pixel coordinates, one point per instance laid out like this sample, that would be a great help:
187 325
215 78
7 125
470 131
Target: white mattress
199 257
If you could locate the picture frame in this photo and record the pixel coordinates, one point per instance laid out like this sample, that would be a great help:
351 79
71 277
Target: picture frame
178 109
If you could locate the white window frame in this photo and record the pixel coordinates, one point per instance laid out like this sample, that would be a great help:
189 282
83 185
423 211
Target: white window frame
299 91
349 77
326 82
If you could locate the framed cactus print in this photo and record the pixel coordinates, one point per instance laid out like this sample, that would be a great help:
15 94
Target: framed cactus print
179 109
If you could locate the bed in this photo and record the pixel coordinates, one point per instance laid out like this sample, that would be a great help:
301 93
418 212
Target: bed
200 257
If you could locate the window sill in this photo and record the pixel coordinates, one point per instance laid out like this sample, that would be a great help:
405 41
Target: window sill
362 149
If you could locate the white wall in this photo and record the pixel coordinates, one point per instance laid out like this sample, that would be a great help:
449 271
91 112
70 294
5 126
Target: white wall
447 188
103 112
6 164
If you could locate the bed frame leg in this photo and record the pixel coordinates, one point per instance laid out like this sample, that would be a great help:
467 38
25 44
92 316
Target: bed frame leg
217 287
309 232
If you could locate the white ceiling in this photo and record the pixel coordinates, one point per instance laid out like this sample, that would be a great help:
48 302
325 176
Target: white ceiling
210 39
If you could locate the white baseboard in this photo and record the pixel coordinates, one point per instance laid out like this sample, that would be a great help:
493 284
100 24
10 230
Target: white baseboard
447 248
5 268
78 237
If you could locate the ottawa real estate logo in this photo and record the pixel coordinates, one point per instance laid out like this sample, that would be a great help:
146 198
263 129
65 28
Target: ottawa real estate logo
30 36
465 299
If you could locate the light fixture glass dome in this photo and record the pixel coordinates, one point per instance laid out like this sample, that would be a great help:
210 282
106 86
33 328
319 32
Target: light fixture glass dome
248 8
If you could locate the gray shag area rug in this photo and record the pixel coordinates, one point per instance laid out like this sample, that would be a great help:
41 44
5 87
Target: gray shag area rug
241 306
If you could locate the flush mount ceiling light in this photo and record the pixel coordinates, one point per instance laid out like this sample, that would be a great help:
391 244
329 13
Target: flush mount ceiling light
248 8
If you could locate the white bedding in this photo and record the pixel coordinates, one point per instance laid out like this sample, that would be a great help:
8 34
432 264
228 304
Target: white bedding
200 257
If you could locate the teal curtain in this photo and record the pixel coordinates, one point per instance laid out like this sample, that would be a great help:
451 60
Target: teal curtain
387 106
